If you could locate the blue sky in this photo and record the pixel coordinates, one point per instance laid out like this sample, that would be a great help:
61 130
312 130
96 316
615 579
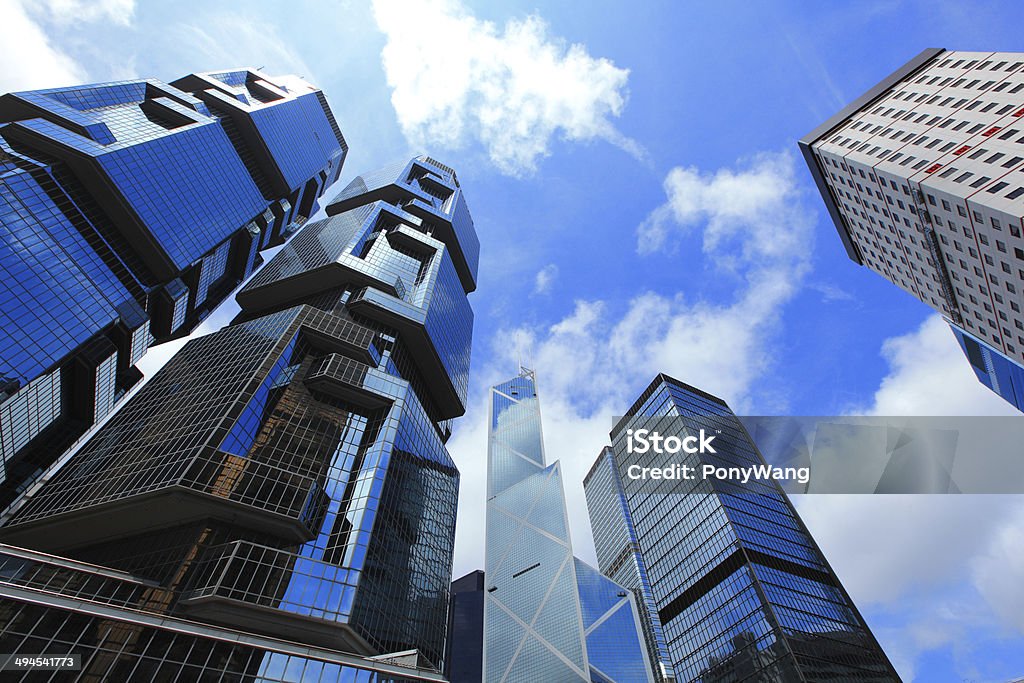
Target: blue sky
633 175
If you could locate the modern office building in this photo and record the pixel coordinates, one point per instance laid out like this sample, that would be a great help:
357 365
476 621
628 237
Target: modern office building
284 477
923 176
736 587
128 211
619 556
464 651
547 615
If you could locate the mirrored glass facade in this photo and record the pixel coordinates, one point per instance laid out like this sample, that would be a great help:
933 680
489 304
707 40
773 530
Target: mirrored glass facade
464 656
740 590
993 369
128 211
58 606
619 557
547 616
287 476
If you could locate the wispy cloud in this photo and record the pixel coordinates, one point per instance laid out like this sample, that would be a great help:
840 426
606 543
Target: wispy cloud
545 278
457 78
82 11
830 292
929 375
234 39
31 59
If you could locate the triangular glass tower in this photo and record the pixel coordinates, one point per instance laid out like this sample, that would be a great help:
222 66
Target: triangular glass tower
547 615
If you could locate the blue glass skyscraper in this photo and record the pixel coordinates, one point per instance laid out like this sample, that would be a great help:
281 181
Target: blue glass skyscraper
464 651
619 556
735 587
128 211
547 615
287 476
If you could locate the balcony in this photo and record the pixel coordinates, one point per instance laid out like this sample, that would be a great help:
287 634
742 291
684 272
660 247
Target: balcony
215 484
275 592
345 378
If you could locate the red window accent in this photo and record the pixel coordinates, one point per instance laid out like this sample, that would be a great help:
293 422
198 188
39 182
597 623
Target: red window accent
933 168
1019 112
961 150
991 131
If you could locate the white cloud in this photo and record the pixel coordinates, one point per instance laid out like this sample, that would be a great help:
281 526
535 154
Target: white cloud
546 277
953 626
916 542
929 375
592 363
455 77
943 571
749 206
998 573
30 58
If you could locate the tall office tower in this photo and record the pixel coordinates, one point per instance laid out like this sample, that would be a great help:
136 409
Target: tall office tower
740 591
923 176
128 211
286 476
619 556
547 615
464 651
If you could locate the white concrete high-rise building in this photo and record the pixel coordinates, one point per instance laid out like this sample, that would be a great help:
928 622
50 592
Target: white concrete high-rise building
923 176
